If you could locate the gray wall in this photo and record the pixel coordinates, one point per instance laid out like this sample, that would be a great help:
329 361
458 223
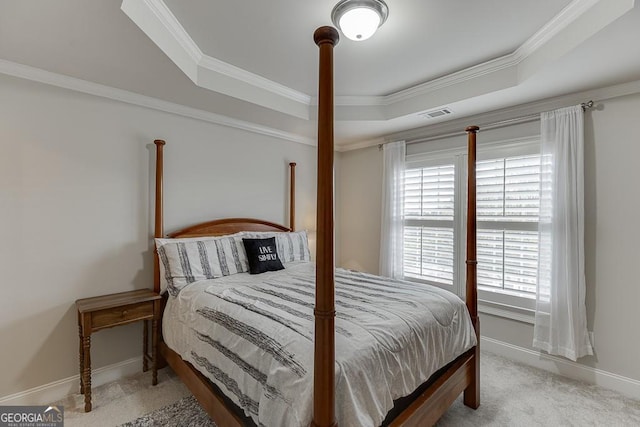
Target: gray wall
358 206
75 184
76 212
612 209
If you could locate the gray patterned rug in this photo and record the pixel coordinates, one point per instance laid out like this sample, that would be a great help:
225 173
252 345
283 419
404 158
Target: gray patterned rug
186 412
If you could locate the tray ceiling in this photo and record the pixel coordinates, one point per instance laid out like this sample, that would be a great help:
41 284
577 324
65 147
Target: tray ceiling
254 64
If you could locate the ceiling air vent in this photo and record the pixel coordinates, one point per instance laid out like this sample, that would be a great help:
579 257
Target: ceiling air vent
435 113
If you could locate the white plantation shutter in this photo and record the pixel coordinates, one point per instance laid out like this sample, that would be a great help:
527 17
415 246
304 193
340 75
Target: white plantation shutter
508 205
508 210
509 189
508 260
429 209
429 254
429 193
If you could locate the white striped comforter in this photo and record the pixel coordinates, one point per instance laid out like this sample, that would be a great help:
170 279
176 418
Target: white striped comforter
252 335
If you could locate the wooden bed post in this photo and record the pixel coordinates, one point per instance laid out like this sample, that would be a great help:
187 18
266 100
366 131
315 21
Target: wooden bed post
472 392
159 225
292 196
324 352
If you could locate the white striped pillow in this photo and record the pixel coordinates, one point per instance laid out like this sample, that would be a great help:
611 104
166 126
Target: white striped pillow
292 246
184 261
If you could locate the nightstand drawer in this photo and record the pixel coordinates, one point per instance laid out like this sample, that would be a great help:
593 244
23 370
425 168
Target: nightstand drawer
124 314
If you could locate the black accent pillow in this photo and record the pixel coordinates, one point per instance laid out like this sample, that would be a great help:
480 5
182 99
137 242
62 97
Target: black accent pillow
262 255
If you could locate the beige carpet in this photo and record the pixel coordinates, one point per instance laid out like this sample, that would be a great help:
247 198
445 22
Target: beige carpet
124 400
512 395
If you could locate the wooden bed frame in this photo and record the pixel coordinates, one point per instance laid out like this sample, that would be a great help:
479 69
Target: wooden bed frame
431 400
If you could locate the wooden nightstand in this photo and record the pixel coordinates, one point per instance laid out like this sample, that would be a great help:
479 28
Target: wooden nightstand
112 310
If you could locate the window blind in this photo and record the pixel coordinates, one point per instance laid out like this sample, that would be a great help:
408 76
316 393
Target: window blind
430 193
508 209
429 208
428 254
508 189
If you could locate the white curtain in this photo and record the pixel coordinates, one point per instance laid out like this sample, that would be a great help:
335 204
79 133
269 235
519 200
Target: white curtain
561 319
392 233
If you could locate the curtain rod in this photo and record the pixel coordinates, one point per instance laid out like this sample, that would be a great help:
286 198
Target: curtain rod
488 126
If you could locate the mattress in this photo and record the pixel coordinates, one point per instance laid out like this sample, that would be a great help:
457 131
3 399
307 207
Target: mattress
252 335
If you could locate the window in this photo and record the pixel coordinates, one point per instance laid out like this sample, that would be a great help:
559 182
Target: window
429 210
508 203
507 182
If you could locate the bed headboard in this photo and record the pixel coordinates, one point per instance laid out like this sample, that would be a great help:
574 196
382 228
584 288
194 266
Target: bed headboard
218 227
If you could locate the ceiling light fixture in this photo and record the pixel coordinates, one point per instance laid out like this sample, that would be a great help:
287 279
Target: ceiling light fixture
359 19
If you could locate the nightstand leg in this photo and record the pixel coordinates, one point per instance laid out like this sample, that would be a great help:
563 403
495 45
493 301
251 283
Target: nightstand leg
86 373
145 345
81 356
154 351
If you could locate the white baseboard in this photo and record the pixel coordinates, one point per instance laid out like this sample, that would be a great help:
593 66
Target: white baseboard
60 389
627 386
57 390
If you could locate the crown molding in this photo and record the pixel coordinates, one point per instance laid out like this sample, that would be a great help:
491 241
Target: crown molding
356 101
217 66
343 148
503 114
171 24
156 20
552 28
575 24
83 86
42 76
161 25
452 79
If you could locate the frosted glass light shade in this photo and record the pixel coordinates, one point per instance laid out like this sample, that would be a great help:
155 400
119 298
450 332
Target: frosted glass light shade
360 23
359 19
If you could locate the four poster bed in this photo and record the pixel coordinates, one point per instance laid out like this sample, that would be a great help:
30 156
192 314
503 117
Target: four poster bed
401 382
